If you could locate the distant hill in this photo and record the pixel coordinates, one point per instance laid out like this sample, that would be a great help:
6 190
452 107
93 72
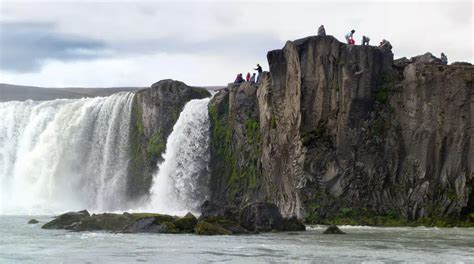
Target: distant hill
10 92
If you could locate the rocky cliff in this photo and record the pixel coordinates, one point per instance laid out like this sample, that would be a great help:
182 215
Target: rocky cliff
337 131
154 112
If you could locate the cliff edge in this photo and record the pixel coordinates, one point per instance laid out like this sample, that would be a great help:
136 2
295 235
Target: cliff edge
342 132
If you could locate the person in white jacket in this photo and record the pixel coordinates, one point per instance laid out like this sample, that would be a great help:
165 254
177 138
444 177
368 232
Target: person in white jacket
350 37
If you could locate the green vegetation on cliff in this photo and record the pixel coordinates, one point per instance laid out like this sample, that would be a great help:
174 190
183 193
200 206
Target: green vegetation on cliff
139 182
237 170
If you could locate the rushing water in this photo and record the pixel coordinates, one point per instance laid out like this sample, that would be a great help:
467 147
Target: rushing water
181 182
64 154
23 243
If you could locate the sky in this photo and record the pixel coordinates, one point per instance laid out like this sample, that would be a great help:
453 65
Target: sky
203 43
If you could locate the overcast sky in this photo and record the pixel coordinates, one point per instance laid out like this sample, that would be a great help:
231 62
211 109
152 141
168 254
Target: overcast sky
136 43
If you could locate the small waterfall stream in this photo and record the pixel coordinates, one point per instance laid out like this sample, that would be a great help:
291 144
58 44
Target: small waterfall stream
181 182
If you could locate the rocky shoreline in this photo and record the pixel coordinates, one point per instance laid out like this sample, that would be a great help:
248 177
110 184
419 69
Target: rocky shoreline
215 220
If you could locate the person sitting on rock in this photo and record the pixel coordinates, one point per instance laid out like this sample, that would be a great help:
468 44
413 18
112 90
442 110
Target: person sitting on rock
321 31
259 70
444 59
239 78
350 37
247 77
365 40
252 79
385 44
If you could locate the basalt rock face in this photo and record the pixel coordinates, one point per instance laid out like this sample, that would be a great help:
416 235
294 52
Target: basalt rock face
154 112
342 131
235 146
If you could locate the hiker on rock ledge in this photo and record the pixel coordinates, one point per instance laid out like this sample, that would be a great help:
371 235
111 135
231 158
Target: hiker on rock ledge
365 40
321 31
444 59
259 70
350 37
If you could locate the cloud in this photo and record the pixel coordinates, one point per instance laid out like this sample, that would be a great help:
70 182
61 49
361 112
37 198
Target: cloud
135 70
116 43
26 46
255 45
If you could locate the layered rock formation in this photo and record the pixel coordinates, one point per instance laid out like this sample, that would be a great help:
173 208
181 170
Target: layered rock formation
258 218
154 112
340 131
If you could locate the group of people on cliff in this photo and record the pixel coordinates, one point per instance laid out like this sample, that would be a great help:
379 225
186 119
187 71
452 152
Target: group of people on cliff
350 38
255 79
365 42
250 78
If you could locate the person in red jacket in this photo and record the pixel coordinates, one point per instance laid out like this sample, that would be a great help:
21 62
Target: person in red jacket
247 78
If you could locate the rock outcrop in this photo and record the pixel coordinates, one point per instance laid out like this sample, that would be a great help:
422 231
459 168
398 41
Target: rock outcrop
333 230
65 220
258 219
342 131
154 112
33 221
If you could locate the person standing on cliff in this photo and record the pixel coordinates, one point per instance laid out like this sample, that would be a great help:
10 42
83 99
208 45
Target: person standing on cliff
259 70
365 40
350 37
247 77
321 31
444 59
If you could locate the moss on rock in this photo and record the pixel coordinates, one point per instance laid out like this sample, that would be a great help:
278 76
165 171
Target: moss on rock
168 228
186 224
65 220
235 146
105 222
159 218
209 229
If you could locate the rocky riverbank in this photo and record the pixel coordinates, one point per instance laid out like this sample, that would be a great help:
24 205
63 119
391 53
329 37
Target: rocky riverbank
215 220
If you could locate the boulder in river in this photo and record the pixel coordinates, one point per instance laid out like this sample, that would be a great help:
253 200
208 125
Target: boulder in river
293 224
105 222
261 217
228 224
186 224
209 229
33 221
143 225
333 229
67 219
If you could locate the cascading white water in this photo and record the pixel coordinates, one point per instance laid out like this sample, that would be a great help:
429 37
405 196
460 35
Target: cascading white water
64 154
181 182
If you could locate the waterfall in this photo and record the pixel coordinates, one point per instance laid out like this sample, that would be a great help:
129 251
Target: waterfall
64 154
181 182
